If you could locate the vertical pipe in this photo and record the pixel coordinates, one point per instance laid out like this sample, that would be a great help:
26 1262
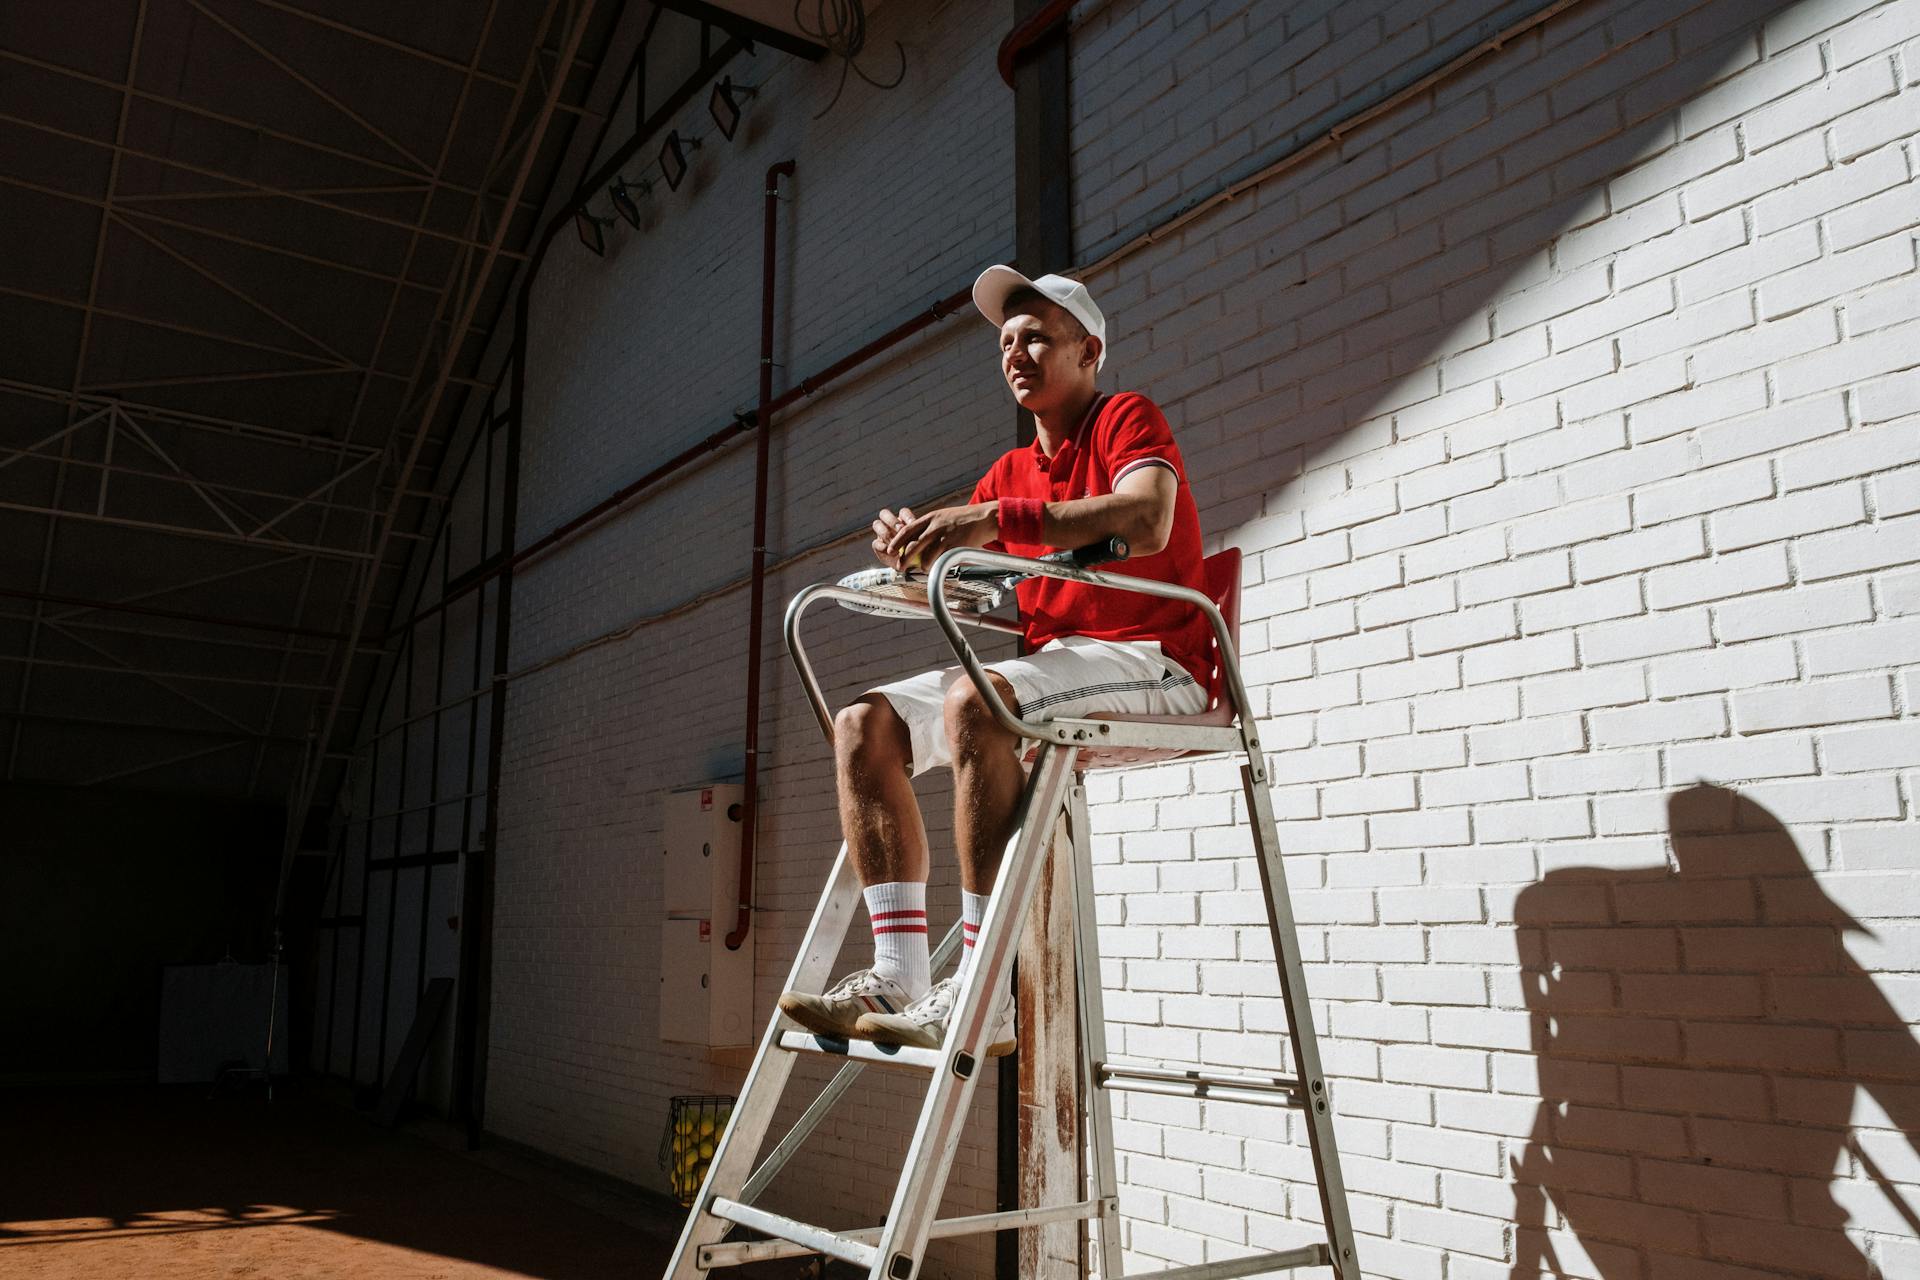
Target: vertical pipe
763 431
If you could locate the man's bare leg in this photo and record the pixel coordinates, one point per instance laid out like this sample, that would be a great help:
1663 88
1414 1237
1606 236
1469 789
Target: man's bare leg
887 842
873 760
987 782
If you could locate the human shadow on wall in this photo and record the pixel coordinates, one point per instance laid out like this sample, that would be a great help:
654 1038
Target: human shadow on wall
1700 1034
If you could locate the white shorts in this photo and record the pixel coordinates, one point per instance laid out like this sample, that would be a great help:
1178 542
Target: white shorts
1072 677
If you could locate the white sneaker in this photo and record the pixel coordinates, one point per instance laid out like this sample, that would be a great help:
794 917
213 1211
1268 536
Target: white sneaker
924 1022
835 1013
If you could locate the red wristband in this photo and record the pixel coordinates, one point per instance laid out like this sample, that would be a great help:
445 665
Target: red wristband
1021 520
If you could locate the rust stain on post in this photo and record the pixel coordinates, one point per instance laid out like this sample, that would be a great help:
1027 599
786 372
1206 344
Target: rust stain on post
1049 1104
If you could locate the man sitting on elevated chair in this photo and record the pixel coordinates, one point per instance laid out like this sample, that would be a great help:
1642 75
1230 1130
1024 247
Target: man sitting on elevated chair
1100 465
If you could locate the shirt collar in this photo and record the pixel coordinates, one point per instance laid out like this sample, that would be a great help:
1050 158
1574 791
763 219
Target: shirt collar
1040 458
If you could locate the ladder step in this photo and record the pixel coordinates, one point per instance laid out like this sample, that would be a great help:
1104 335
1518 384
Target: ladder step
1200 1082
1313 1255
885 1055
814 1239
715 1256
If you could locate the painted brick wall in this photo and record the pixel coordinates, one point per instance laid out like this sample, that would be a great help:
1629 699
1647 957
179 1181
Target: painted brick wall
1569 415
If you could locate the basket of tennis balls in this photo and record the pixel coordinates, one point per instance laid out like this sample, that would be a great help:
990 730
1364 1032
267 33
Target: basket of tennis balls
694 1126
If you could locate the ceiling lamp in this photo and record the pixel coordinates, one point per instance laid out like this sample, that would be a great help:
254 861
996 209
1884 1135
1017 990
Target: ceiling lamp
723 104
592 230
673 158
621 193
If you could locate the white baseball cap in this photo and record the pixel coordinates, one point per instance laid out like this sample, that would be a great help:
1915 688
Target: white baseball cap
995 283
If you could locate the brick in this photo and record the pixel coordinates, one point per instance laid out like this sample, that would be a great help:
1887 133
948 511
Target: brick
1738 759
1674 166
1897 493
1633 552
1757 663
1564 526
1843 92
1855 454
1420 830
1738 573
1779 613
1437 484
1404 679
1475 785
1773 429
1874 32
1876 219
1698 241
1646 637
1464 629
1739 269
1686 410
1513 578
1819 703
1582 690
1880 646
1633 385
1758 173
1837 799
1628 471
1423 599
1528 739
1889 542
1860 358
1887 399
1740 94
1717 316
1712 489
1626 311
1619 598
1770 342
1555 297
1557 372
1870 127
1806 512
1837 188
1417 752
1658 722
1589 774
1468 706
1842 273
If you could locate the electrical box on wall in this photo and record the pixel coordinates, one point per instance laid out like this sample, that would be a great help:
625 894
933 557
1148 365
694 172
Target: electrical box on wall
706 988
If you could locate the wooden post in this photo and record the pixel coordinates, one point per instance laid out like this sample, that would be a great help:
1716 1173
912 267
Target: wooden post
1049 1091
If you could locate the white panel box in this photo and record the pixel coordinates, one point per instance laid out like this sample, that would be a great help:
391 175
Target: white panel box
706 989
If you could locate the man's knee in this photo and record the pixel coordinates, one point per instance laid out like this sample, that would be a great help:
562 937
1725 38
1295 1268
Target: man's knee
969 720
869 734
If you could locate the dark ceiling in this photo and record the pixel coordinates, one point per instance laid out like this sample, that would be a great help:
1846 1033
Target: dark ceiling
239 233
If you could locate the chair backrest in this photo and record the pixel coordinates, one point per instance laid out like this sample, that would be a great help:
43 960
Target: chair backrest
1220 579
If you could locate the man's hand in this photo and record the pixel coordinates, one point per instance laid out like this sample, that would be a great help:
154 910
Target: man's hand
885 525
917 540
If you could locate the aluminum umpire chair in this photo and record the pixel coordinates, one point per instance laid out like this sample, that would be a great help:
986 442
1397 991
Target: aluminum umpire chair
1063 750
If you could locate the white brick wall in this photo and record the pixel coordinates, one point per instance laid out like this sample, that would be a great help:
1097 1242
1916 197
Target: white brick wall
1569 416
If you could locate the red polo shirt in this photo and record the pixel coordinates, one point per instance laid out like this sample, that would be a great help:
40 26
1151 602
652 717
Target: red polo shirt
1124 432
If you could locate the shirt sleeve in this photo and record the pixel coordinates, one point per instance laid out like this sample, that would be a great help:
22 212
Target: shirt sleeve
1135 434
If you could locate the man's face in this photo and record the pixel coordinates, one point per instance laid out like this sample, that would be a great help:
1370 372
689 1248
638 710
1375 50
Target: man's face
1043 357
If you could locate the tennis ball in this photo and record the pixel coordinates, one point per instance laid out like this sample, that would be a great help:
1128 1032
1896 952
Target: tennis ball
706 1126
706 1150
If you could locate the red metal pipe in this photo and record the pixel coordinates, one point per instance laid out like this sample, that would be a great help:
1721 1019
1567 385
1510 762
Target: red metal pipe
763 430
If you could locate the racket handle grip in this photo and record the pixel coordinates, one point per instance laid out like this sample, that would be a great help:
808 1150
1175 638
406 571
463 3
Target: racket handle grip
1093 554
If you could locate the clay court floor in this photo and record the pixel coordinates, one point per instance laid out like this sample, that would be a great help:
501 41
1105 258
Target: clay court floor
169 1184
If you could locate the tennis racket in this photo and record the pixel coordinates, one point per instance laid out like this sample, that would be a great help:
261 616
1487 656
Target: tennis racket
902 593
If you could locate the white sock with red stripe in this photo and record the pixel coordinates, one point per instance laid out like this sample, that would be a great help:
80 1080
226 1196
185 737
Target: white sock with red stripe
899 915
973 909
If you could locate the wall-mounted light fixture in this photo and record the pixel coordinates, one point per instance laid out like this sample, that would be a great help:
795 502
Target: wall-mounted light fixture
723 104
673 158
592 230
622 195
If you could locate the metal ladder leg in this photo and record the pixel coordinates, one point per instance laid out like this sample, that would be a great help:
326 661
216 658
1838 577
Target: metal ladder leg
916 1201
1317 1107
1097 1128
767 1079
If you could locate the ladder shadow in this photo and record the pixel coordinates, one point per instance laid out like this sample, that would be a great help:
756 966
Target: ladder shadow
1702 1038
